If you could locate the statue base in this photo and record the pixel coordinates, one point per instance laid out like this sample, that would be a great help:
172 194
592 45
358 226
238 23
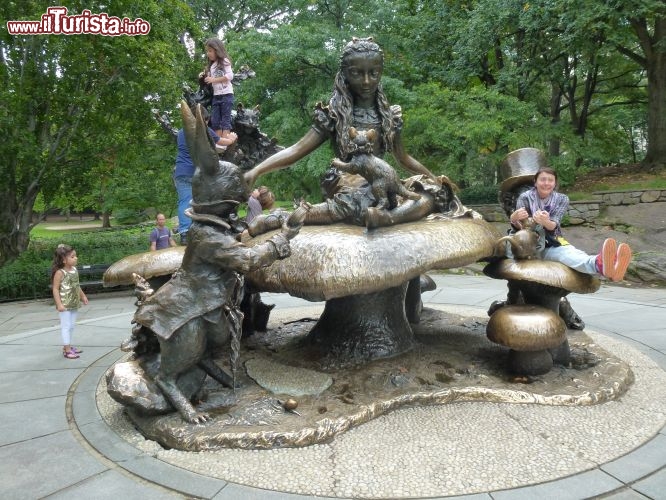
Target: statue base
451 361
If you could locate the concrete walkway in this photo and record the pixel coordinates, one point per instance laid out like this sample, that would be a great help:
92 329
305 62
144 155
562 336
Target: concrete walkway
54 443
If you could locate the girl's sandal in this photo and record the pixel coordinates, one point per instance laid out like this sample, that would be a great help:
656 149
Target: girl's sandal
70 354
75 350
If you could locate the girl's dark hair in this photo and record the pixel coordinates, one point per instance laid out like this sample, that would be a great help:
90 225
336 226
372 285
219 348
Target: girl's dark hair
59 256
220 51
545 170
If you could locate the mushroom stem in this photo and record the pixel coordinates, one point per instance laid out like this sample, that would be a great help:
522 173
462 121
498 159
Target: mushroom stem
364 327
530 362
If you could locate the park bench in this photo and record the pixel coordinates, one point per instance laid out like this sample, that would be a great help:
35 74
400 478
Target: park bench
90 276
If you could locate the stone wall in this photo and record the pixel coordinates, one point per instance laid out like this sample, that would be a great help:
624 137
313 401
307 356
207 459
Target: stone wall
586 211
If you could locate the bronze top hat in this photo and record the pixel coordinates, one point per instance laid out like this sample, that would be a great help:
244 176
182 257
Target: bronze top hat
519 167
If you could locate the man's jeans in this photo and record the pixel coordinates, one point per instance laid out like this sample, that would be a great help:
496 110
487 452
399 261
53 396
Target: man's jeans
184 190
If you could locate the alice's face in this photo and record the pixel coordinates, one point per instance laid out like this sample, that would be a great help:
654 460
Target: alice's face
545 184
363 73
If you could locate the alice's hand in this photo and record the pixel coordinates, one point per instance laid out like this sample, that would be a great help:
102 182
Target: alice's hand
293 224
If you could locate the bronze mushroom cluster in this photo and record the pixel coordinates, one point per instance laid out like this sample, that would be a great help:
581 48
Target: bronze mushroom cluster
530 324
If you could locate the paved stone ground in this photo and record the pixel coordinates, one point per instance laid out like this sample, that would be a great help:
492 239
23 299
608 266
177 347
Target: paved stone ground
56 442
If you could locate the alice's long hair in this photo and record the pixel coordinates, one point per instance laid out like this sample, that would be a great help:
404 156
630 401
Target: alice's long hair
341 104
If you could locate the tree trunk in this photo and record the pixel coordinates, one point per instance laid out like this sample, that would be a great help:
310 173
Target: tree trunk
106 219
15 224
555 103
656 129
652 43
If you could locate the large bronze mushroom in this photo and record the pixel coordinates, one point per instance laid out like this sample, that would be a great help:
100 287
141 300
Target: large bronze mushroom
363 276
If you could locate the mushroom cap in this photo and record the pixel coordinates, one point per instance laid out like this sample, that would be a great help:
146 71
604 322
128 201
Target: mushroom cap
546 272
340 260
526 328
147 265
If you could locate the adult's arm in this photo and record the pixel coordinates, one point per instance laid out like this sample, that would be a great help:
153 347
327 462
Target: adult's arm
521 213
153 240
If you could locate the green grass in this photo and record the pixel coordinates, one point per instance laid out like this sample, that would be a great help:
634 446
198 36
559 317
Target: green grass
578 196
53 230
44 230
638 186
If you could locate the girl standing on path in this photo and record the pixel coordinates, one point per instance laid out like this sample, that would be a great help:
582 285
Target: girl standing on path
67 294
219 74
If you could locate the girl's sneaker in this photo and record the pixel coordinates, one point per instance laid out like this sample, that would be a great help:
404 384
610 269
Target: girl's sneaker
70 354
607 258
622 260
75 350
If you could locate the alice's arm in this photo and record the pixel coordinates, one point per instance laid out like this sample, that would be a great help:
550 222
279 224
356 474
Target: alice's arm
282 159
407 161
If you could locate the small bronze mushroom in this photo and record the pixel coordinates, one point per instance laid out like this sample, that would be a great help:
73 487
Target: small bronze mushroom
542 282
529 331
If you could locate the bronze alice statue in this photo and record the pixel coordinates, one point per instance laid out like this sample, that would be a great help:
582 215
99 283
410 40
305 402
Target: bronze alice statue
358 102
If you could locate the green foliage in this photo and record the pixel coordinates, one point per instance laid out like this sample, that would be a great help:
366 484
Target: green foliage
479 195
475 79
76 112
465 134
125 216
29 275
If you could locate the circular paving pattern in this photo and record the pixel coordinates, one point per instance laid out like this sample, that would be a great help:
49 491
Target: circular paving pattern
450 449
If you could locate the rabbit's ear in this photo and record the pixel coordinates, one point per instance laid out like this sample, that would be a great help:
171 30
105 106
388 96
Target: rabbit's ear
371 134
353 132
